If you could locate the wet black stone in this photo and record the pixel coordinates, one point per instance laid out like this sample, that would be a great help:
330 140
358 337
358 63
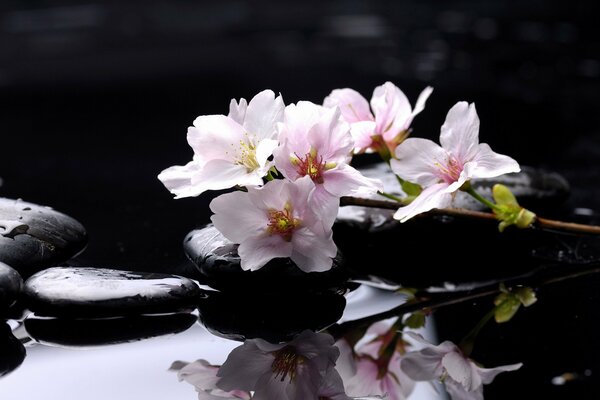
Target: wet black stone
275 318
219 263
33 237
12 351
98 292
11 284
68 332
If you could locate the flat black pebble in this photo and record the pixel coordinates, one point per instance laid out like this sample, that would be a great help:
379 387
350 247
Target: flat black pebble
12 351
11 284
33 237
100 292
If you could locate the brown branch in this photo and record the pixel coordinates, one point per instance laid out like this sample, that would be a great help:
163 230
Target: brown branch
542 223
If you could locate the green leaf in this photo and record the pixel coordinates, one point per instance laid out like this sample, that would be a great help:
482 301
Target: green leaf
415 320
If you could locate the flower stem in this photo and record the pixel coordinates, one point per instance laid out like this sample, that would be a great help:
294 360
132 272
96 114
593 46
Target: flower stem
391 197
468 342
542 223
480 198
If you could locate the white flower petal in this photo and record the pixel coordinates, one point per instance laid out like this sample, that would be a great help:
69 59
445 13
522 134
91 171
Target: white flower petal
324 207
236 217
418 161
216 137
331 137
311 252
391 109
422 365
353 105
432 197
458 391
345 180
178 179
256 251
488 374
244 367
362 133
237 112
263 112
488 164
222 174
421 100
460 132
264 150
461 370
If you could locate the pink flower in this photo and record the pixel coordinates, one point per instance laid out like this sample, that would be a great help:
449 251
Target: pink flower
371 370
298 370
203 376
390 124
316 143
463 378
442 170
229 150
276 221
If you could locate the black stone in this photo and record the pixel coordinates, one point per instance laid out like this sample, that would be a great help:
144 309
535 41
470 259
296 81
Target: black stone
98 292
12 351
68 332
33 237
11 284
219 263
275 318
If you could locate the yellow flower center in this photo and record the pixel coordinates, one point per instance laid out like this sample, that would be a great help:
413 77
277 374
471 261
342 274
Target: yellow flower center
282 222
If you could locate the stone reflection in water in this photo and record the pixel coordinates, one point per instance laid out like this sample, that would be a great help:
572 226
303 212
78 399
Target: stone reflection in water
65 332
275 318
11 284
12 351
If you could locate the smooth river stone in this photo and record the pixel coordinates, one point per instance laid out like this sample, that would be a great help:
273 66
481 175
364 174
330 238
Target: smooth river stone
98 292
11 284
79 332
33 237
217 260
12 351
534 188
275 318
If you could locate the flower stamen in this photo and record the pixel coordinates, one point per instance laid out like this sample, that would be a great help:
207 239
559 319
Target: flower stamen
286 363
282 222
312 165
247 156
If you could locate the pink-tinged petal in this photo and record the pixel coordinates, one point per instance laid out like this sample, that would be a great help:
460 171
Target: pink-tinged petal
460 132
178 179
331 137
488 164
200 373
418 161
222 174
281 158
488 374
365 382
345 365
422 365
458 391
344 180
432 197
299 119
362 133
244 367
237 112
270 387
353 105
324 207
264 111
397 384
421 100
236 217
311 252
390 107
319 347
256 251
461 370
216 137
332 387
264 150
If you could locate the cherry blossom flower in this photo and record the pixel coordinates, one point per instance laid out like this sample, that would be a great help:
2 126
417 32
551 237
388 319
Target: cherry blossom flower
373 372
463 378
442 170
316 143
392 117
203 376
296 370
276 221
229 150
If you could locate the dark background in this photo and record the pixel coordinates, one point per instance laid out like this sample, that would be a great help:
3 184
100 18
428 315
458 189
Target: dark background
96 97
